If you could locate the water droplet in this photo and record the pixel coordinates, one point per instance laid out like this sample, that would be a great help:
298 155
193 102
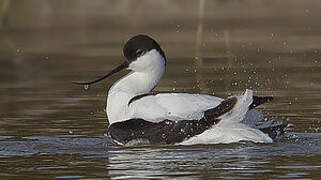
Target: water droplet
317 129
182 130
259 50
291 51
70 132
178 28
86 86
163 136
272 35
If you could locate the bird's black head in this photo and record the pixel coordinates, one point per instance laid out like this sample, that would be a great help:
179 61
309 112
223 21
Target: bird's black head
139 45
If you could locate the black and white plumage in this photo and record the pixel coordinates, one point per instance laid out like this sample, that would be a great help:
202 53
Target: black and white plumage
139 115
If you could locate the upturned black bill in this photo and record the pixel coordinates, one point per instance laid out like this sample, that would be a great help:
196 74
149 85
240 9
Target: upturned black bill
117 69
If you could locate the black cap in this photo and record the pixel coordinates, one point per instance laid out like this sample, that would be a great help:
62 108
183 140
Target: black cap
139 45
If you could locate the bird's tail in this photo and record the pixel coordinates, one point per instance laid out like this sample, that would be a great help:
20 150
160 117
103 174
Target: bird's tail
237 113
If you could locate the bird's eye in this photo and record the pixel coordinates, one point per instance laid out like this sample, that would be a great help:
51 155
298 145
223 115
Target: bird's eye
139 52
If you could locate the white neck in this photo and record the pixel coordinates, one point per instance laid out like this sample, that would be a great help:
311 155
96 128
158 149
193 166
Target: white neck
147 71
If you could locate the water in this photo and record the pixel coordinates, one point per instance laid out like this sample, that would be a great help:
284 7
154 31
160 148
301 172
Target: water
51 128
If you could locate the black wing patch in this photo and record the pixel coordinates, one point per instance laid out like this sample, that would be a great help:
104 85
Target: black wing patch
141 96
259 100
167 131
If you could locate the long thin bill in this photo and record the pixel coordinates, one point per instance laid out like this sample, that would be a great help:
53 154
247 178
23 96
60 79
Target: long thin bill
117 69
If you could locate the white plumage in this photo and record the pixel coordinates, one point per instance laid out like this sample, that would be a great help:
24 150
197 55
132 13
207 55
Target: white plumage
173 106
230 129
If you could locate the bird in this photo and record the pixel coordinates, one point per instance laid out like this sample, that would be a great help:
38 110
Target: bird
138 114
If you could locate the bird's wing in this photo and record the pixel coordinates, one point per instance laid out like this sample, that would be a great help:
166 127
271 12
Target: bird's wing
156 107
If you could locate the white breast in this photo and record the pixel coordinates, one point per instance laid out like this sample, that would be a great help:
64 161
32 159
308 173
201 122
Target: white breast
146 72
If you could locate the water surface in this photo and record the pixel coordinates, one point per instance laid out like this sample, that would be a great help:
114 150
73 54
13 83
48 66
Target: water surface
50 128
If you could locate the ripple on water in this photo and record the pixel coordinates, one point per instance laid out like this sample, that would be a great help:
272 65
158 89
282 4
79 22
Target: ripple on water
70 144
60 154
